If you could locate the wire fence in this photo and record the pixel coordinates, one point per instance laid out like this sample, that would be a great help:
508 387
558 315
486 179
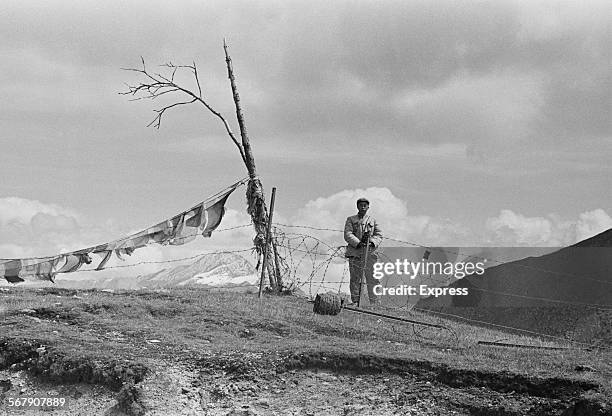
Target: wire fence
311 264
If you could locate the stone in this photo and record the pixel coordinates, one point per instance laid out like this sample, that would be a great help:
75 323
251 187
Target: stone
5 385
242 411
263 402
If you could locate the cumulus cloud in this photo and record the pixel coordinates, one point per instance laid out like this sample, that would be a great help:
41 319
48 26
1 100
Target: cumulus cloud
390 212
34 228
591 223
510 228
14 209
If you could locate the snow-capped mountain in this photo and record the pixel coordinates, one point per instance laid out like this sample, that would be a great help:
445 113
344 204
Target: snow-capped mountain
218 269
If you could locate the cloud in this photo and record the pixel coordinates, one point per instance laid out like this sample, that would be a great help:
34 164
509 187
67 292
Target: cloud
390 212
510 228
485 74
547 20
591 223
37 228
30 228
491 113
20 210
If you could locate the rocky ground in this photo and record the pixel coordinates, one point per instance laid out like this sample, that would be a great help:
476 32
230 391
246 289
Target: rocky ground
313 385
194 353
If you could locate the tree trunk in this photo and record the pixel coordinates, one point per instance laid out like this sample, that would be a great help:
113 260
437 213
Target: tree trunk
256 204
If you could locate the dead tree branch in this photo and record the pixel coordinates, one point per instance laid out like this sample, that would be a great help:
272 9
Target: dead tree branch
157 85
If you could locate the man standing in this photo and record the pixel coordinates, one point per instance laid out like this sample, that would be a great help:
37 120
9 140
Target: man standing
363 236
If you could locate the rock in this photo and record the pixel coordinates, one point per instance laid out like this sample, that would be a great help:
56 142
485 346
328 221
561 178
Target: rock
27 311
35 319
263 402
581 367
242 411
5 385
246 333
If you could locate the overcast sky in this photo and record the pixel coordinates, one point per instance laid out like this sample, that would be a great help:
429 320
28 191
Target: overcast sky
464 122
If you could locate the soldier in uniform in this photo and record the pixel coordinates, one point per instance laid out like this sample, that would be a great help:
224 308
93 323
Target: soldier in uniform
363 235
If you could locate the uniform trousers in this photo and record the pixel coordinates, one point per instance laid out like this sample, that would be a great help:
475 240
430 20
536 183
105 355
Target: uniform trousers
356 265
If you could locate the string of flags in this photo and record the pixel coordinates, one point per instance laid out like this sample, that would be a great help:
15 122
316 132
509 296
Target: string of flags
182 228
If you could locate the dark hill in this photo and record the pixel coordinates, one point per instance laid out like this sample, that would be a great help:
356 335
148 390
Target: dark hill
568 290
600 240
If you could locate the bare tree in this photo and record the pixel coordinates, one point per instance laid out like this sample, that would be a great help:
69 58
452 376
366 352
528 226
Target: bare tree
157 84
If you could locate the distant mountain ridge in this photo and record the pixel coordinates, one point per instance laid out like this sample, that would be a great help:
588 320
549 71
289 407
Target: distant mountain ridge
217 269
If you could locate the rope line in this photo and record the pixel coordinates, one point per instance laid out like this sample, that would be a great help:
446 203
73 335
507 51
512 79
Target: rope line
504 326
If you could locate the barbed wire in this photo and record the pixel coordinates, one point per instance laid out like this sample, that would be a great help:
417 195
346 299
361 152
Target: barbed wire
333 253
197 256
312 251
321 254
306 252
496 260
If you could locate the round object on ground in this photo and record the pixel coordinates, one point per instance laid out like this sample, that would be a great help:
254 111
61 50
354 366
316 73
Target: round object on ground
327 304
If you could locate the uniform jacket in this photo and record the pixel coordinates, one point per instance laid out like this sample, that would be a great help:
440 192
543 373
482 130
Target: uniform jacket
353 231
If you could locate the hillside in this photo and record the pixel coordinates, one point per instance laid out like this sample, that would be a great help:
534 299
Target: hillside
563 292
200 352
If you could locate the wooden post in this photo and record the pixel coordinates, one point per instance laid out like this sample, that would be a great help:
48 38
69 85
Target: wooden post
279 278
267 242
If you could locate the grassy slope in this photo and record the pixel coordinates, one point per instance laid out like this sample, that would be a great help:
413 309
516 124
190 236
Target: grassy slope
113 338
